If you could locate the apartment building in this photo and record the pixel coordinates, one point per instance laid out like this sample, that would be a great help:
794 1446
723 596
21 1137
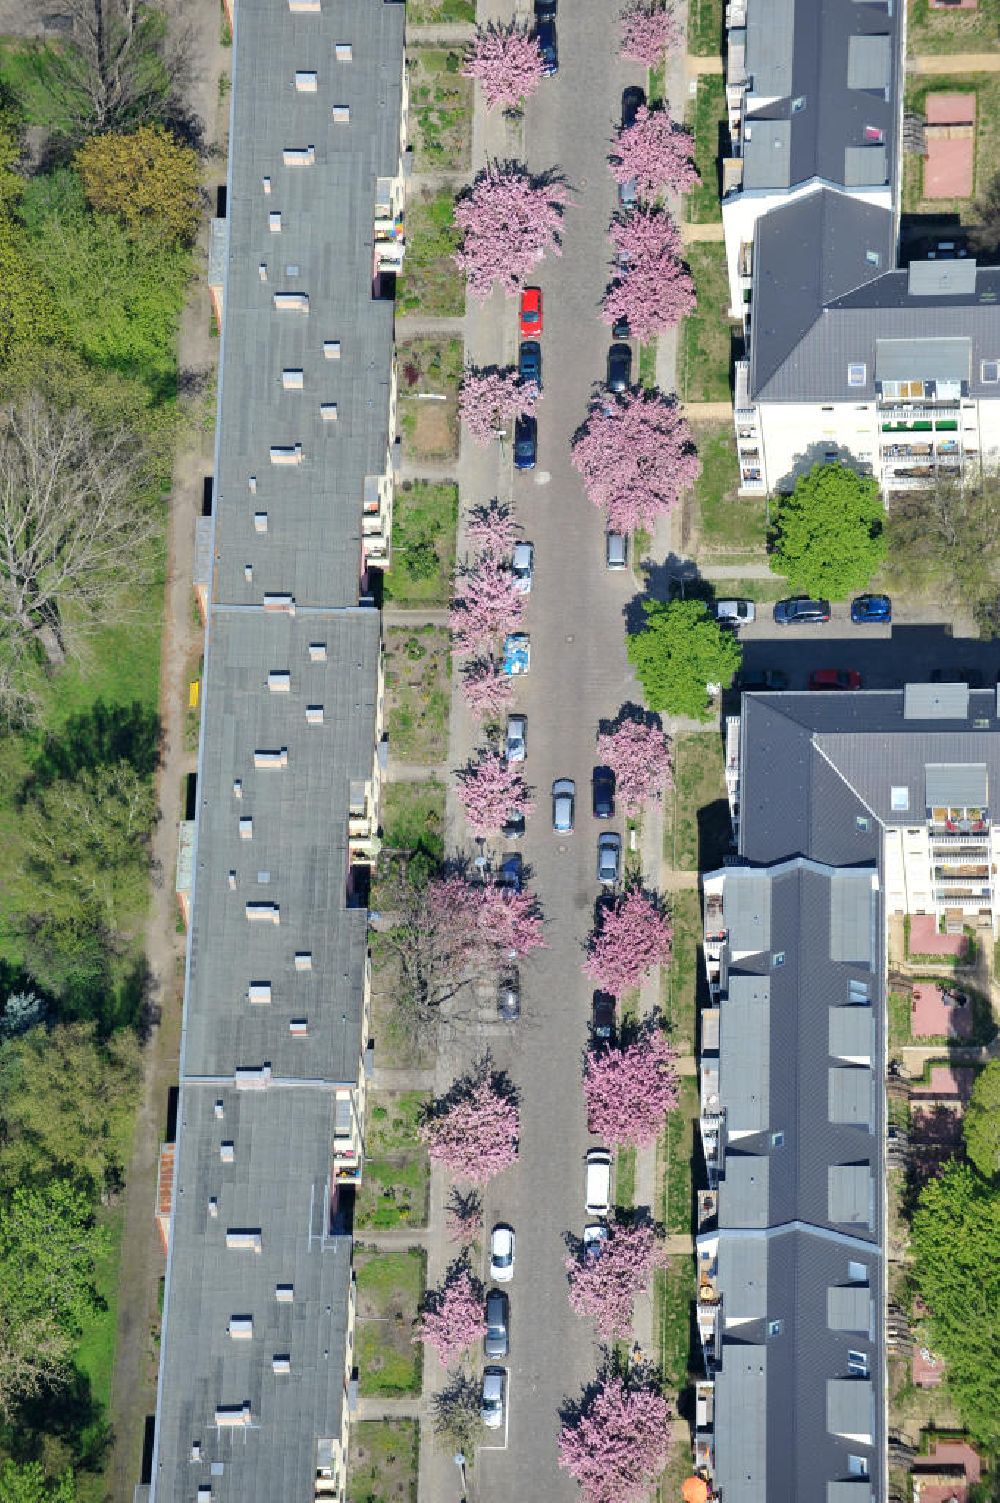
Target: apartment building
813 100
893 371
255 1384
848 809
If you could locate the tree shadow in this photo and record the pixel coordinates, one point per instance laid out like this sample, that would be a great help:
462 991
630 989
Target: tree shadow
103 735
674 578
67 1414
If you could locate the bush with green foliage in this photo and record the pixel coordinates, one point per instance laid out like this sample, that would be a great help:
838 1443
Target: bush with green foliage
981 1123
680 650
26 1482
829 534
955 1235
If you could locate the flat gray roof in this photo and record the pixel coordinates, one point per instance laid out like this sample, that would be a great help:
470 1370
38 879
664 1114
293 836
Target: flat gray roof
324 249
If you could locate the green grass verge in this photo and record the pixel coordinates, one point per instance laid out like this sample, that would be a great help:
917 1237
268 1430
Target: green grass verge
647 364
673 1292
680 977
413 818
899 1020
436 12
430 282
676 1152
986 87
384 1461
722 522
704 37
424 517
440 111
625 1178
697 833
705 350
390 1289
707 118
941 31
417 673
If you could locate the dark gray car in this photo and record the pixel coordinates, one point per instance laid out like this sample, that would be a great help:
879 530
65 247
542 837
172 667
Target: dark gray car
496 1342
619 367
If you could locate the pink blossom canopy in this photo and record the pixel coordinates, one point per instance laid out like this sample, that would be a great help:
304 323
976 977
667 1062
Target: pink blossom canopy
452 1319
509 221
648 30
654 153
618 1444
487 605
639 756
633 936
475 1136
488 691
636 456
507 62
489 789
490 399
653 288
629 1090
604 1287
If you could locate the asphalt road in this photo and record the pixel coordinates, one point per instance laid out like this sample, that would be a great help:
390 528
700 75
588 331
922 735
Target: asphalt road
579 674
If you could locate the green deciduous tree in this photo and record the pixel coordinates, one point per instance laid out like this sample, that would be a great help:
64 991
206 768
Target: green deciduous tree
85 848
27 1483
981 1124
947 539
680 650
955 1235
147 178
49 1247
66 1106
829 534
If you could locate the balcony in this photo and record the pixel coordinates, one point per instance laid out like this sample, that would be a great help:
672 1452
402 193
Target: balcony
346 1139
745 410
708 1313
958 821
390 240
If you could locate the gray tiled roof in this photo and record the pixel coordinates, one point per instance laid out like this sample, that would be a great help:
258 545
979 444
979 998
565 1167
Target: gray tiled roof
820 305
827 73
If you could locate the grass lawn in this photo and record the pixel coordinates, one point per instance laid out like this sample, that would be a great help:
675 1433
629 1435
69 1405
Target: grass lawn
394 1189
676 1148
680 978
707 118
625 1178
953 30
431 283
417 670
429 371
25 69
673 1292
899 1020
705 351
440 109
720 521
986 87
432 12
95 1352
647 364
764 590
424 517
697 833
390 1289
413 818
704 37
384 1461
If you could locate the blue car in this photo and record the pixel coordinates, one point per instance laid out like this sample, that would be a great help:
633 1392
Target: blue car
868 609
525 443
529 362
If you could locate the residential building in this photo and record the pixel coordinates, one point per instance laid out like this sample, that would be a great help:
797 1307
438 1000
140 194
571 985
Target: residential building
848 809
813 100
893 371
254 1196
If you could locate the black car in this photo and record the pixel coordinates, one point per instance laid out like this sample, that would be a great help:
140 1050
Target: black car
525 442
604 793
545 33
620 329
509 996
619 367
529 362
514 827
757 679
496 1342
633 100
799 608
970 676
545 10
603 1022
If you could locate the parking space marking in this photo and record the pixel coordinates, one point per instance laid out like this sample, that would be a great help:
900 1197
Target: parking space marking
506 1419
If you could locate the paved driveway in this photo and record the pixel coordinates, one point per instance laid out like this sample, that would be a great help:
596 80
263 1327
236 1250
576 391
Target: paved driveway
579 673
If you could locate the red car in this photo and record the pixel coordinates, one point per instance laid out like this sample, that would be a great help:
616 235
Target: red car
835 678
531 311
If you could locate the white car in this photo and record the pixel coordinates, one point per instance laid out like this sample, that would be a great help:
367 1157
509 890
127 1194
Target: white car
594 1237
494 1387
735 612
517 738
523 566
502 1253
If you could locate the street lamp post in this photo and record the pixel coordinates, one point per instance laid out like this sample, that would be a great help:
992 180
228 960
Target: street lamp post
459 1459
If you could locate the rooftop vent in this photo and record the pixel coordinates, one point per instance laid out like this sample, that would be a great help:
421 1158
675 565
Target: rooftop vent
286 453
343 51
284 1293
331 349
328 411
220 1109
265 183
227 1152
291 302
244 1238
263 913
281 1362
266 757
260 521
305 82
274 221
246 827
314 714
259 991
241 1327
303 960
228 1415
237 787
292 380
299 156
341 114
279 681
298 1027
304 5
252 1077
278 600
317 652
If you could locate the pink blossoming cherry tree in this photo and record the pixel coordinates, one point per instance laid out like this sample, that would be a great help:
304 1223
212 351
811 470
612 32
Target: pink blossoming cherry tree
636 456
508 221
632 937
648 30
474 1131
604 1286
654 153
486 606
638 754
489 789
490 400
507 63
618 1443
653 289
452 1319
630 1089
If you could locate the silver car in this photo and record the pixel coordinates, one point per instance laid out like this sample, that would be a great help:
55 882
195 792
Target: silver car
517 738
494 1396
496 1342
563 804
523 566
616 550
609 857
735 612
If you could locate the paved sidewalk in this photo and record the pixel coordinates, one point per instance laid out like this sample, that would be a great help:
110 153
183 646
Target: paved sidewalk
712 231
443 34
394 616
379 1409
701 412
415 772
694 65
413 325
